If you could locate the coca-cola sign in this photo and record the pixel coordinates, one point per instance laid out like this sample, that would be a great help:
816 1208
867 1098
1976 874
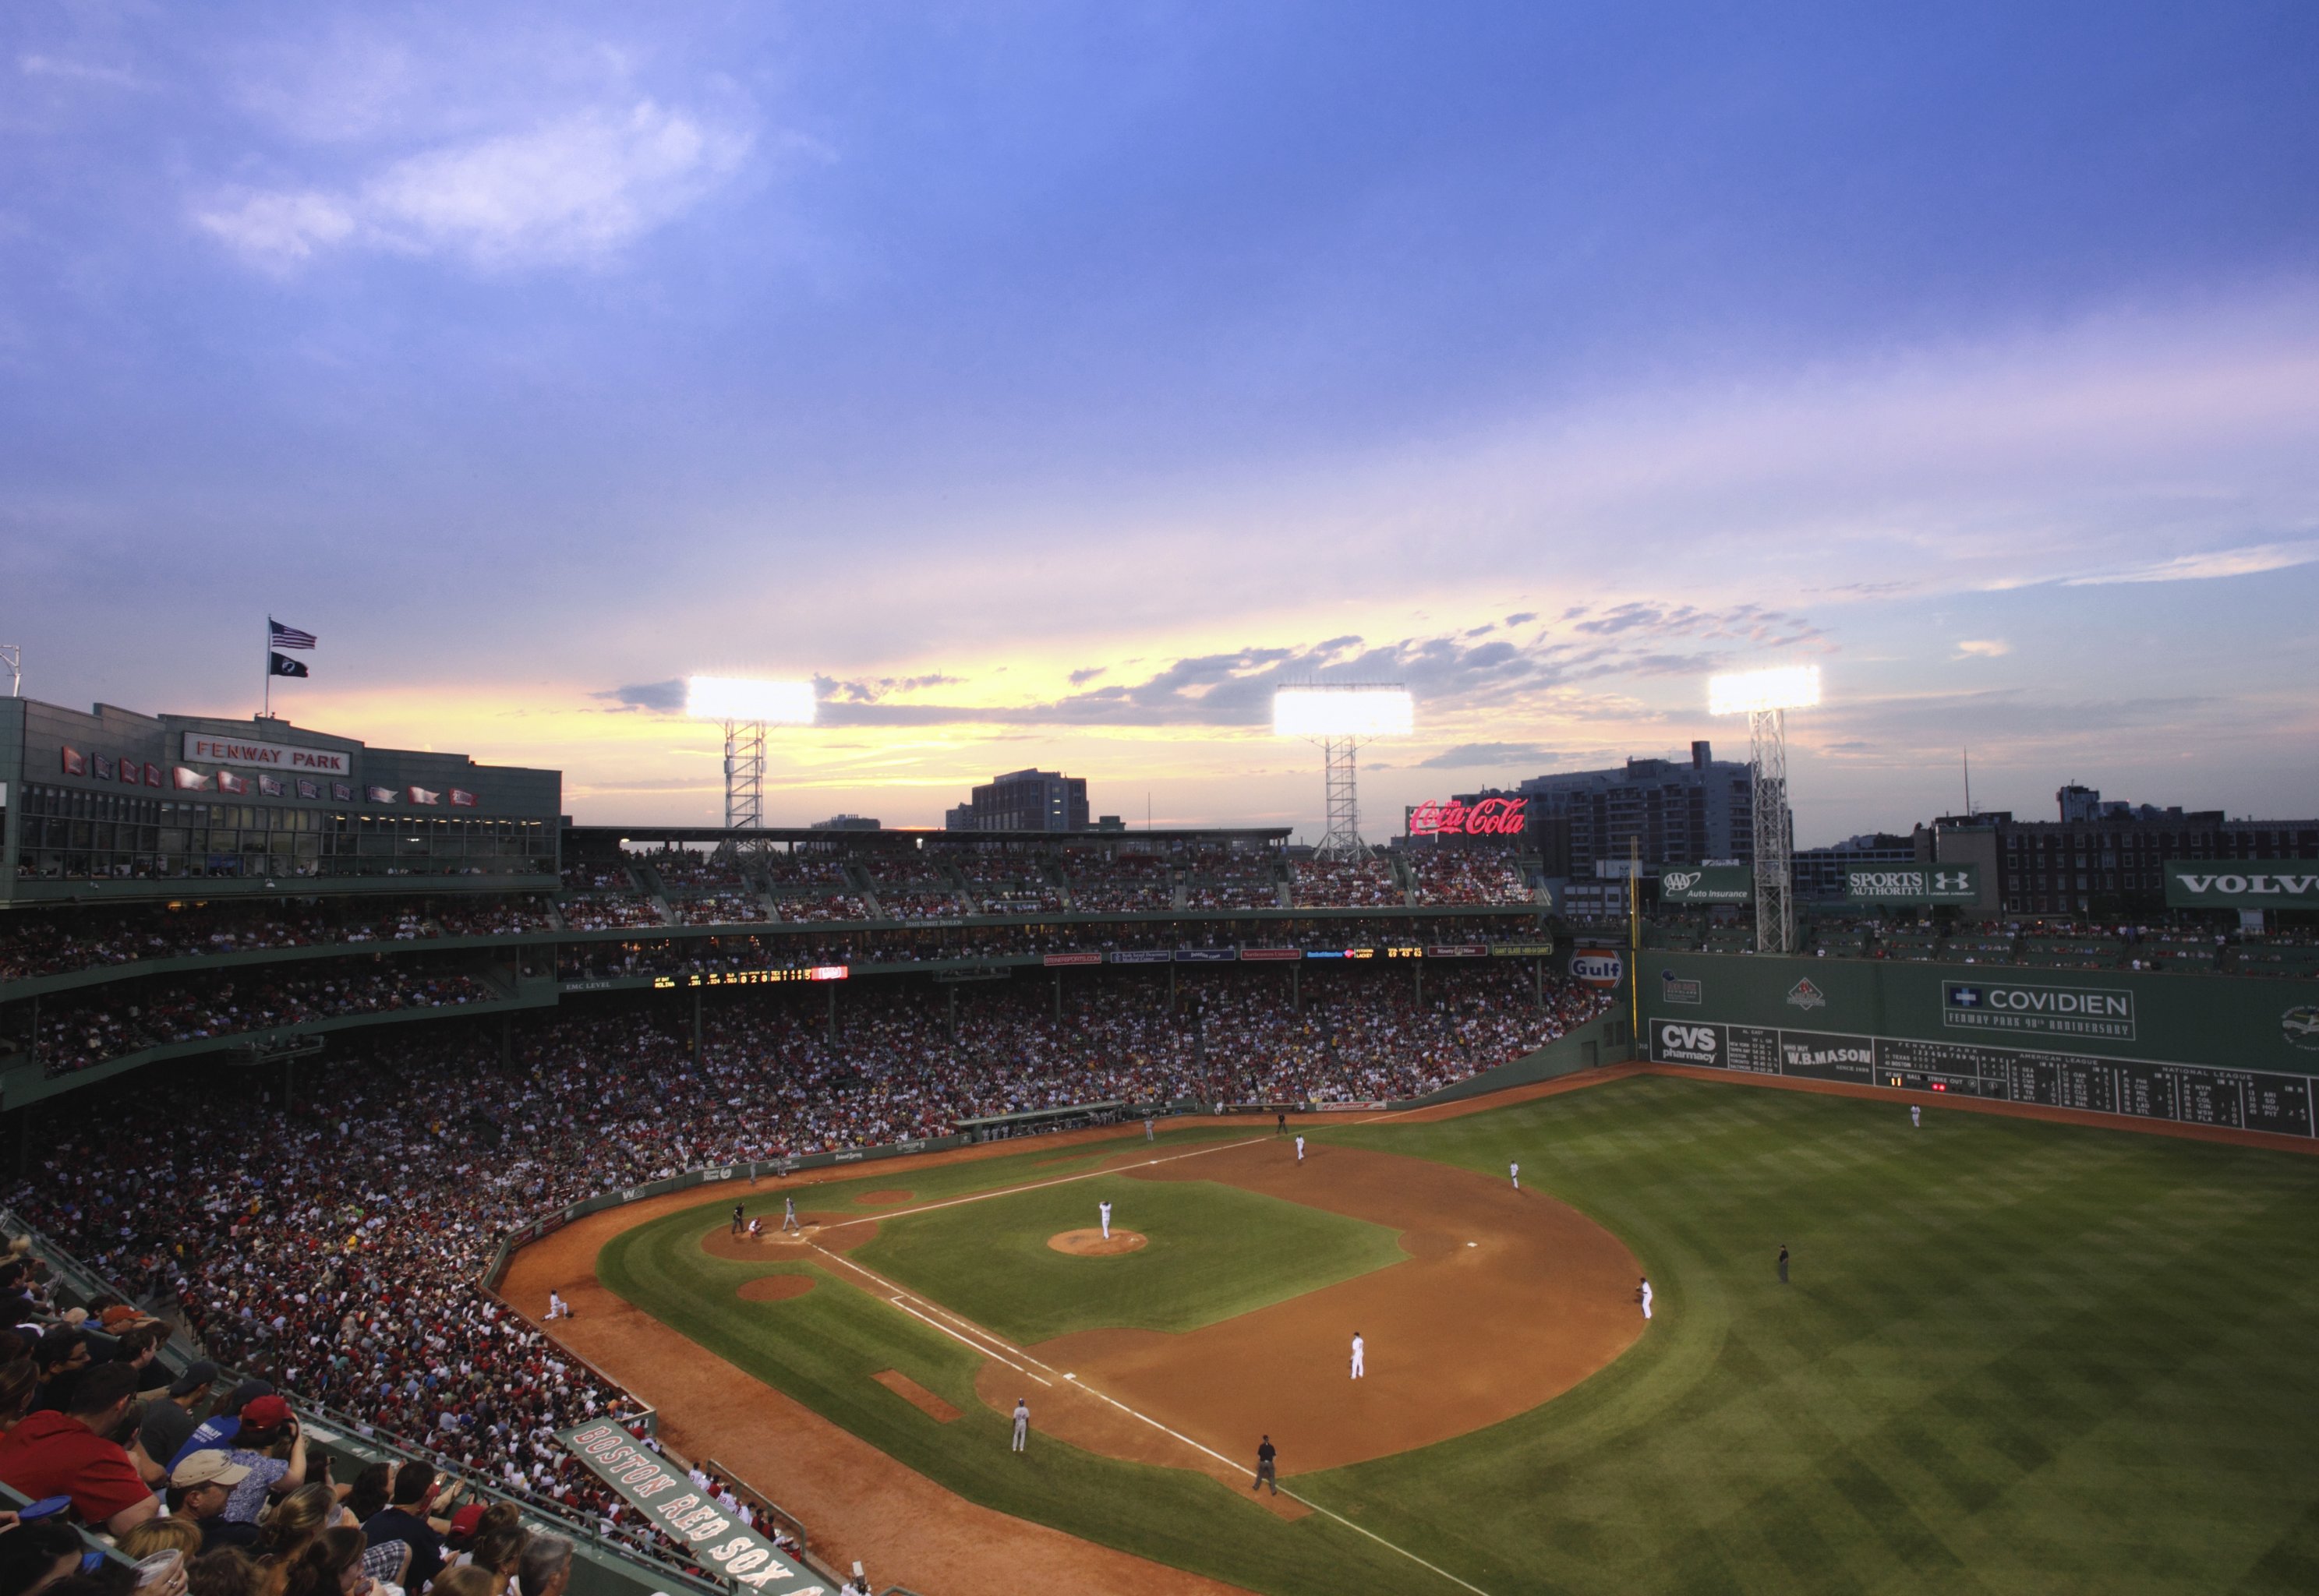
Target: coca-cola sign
1485 818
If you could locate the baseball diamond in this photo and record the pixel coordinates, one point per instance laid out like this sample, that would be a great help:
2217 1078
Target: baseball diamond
1981 1281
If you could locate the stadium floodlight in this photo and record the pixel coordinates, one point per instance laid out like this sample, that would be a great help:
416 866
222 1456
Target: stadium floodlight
1745 692
1340 717
1764 697
734 698
746 706
1343 712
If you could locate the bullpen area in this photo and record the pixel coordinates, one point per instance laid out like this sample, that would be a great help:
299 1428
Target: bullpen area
2009 1355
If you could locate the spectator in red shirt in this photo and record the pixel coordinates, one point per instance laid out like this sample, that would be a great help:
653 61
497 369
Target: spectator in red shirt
72 1453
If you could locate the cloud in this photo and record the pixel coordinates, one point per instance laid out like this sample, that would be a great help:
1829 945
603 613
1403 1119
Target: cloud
660 697
275 229
574 188
1982 648
1233 688
1521 617
2249 561
1467 756
77 72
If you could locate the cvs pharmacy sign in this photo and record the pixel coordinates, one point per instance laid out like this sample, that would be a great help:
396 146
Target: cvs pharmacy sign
1680 1041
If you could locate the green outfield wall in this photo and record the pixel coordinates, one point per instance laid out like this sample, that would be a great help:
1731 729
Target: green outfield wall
2228 1050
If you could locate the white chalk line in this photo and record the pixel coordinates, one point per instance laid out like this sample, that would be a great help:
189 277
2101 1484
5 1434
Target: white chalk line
1031 1185
895 1294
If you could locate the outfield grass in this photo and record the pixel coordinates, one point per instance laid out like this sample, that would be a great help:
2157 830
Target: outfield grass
1215 1252
2015 1357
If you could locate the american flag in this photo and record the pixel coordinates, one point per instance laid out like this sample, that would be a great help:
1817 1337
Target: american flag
278 635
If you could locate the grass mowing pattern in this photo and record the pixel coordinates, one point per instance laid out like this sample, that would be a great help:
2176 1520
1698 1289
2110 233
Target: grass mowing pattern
823 1348
2015 1357
1215 1252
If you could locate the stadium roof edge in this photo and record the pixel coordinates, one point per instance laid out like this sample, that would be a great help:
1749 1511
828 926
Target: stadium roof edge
797 833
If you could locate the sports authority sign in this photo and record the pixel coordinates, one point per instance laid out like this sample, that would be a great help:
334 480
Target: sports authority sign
1933 883
2021 1007
675 1508
208 748
1483 818
1689 886
2283 884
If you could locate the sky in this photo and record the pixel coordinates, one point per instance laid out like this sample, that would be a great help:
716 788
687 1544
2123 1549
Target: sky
1050 382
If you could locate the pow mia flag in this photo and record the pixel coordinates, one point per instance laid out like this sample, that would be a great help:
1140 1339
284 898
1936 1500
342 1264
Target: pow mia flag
282 664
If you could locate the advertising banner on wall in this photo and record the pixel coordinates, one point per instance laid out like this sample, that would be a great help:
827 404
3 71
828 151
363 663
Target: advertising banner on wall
2242 884
675 1506
1913 884
1693 886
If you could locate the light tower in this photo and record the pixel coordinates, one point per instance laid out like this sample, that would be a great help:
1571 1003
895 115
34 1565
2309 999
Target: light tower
1340 717
746 708
1765 697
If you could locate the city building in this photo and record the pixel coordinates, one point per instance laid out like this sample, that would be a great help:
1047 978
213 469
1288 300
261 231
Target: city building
1819 872
2102 859
1024 800
1670 811
846 823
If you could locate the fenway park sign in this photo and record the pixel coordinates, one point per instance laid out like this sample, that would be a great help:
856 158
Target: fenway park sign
1485 818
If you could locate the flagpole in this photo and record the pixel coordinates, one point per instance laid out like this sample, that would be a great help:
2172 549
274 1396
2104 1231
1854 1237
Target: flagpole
267 712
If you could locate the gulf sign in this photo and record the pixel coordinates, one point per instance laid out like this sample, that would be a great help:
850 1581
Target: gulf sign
1598 967
1485 818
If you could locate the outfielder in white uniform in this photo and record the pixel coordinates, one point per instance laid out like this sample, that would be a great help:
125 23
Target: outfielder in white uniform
1513 1172
1300 1150
1643 1295
557 1308
1360 1349
1104 1211
1916 1116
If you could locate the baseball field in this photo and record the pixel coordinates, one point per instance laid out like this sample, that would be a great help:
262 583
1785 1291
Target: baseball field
2011 1356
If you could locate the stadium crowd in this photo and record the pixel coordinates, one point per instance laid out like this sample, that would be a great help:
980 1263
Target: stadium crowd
32 945
108 1023
1345 884
333 1246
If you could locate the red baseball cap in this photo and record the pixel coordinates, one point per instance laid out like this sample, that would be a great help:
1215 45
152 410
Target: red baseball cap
263 1413
463 1521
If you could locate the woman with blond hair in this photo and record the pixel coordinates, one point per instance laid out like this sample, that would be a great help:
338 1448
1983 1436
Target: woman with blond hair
162 1534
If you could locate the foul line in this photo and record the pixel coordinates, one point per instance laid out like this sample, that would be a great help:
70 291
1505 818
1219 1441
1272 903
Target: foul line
894 1293
1009 1191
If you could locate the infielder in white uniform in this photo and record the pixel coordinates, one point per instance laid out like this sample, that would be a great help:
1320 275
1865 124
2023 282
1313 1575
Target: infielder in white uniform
1643 1295
1022 1422
1104 1210
1300 1150
1513 1172
1916 1116
557 1308
1360 1349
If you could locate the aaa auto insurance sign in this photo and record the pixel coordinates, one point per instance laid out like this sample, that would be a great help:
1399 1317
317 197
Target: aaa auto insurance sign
2243 884
1691 885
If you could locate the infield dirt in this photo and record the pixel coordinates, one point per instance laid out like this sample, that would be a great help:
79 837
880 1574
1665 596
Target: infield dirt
864 1504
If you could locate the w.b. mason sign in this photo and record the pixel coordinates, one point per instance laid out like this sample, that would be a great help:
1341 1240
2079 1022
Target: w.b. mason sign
2242 884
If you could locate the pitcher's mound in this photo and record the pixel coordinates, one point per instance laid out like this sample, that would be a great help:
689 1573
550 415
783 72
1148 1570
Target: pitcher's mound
1094 1244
